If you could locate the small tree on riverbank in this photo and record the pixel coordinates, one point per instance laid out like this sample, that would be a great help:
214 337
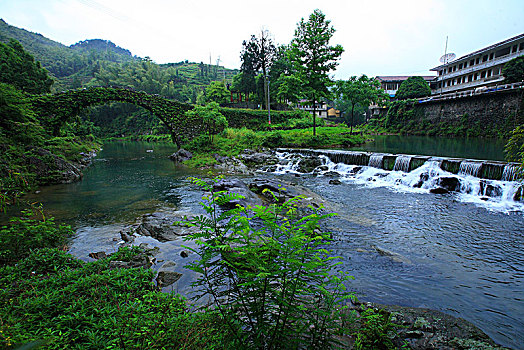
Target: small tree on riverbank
213 121
265 270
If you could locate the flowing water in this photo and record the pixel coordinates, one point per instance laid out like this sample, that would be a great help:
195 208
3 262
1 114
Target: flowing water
461 253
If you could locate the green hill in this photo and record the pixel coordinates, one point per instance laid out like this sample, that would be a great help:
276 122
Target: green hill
96 62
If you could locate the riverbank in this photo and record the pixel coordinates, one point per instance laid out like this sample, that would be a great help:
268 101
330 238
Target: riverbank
33 286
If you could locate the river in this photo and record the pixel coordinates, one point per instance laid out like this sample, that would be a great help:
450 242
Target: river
403 247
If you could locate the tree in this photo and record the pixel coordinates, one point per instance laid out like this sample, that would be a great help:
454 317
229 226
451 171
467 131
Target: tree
513 71
361 92
257 56
212 120
19 68
217 92
285 80
413 87
314 57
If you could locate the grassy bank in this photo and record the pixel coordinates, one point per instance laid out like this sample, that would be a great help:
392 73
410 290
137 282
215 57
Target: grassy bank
231 142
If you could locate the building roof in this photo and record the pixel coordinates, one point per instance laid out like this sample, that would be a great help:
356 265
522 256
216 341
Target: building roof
502 43
402 77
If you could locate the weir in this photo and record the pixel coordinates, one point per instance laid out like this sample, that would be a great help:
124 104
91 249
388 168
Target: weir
483 169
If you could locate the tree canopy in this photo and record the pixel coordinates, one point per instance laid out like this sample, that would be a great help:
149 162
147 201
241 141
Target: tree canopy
314 57
413 87
361 92
19 68
513 71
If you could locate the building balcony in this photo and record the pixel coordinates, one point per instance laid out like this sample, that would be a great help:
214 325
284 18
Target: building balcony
478 67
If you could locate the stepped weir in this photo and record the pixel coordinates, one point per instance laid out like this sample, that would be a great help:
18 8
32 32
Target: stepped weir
484 169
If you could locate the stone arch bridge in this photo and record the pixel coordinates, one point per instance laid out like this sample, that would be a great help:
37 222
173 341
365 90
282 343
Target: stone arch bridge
56 109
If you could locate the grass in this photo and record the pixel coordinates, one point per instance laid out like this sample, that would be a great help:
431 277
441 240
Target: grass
231 142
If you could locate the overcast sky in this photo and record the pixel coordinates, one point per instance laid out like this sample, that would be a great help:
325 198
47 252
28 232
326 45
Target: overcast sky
394 37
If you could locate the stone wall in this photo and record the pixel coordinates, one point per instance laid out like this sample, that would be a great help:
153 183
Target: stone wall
487 115
488 109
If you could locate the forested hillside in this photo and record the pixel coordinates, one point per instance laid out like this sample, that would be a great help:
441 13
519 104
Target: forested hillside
98 62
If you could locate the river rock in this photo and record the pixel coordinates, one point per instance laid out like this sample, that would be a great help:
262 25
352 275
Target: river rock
308 164
422 179
438 190
489 189
449 183
430 329
259 185
335 182
159 225
252 158
51 169
181 155
237 186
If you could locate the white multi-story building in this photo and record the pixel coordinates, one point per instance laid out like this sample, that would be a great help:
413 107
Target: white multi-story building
479 69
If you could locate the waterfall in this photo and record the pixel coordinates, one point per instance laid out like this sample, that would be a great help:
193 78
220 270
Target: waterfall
376 161
470 168
402 163
510 172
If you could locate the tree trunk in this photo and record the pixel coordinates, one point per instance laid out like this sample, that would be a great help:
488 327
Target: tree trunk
315 117
351 126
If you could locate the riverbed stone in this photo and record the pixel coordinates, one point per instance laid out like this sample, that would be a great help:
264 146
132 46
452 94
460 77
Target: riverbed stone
237 186
181 155
450 183
308 164
335 182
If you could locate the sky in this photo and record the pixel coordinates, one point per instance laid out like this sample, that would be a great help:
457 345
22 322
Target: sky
394 37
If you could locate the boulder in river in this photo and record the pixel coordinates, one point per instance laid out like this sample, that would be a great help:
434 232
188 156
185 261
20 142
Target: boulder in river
308 164
181 155
450 183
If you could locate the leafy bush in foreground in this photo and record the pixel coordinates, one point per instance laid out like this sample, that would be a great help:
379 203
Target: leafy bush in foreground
266 271
70 304
26 233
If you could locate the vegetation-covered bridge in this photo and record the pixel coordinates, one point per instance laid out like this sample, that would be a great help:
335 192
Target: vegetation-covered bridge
56 109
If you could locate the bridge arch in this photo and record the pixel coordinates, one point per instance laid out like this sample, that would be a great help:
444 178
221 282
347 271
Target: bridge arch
58 108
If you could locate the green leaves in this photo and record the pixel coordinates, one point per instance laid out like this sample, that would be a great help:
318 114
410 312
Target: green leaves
266 268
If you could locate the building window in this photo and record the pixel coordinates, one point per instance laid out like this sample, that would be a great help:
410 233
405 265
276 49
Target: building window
483 74
491 56
470 77
460 66
521 46
477 61
485 58
514 48
502 52
489 73
472 62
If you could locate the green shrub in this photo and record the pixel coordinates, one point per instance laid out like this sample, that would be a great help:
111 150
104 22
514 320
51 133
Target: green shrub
93 306
266 271
26 233
376 332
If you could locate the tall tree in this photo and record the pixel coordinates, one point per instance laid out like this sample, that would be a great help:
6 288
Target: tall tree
361 92
314 57
257 56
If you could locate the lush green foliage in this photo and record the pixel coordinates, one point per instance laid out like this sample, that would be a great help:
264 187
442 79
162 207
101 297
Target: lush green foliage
69 304
257 57
214 122
258 120
26 233
377 331
513 71
413 87
515 147
361 92
18 68
217 92
313 57
265 270
232 142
